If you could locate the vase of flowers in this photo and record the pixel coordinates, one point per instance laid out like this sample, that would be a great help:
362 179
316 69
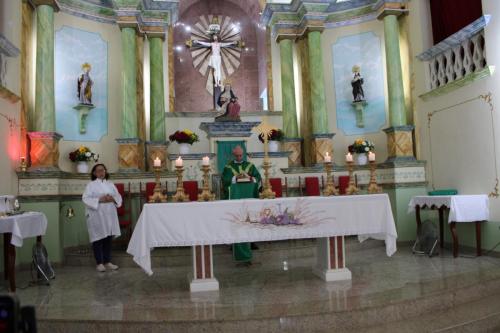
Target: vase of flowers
184 138
82 156
274 137
361 147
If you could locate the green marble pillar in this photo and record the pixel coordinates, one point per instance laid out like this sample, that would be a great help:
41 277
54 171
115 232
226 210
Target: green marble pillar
318 103
397 111
157 97
290 126
45 111
129 84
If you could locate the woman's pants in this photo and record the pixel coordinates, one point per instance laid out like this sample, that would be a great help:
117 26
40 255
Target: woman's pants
102 250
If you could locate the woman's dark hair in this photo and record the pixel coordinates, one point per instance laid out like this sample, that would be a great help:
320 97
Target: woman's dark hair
92 173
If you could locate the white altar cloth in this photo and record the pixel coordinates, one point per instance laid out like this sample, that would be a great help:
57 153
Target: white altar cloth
463 208
29 224
253 220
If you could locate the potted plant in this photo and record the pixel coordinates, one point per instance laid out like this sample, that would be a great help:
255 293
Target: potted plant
184 138
361 147
81 157
274 137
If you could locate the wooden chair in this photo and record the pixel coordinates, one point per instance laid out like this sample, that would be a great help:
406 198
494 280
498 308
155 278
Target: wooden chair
191 189
312 186
344 183
277 186
124 211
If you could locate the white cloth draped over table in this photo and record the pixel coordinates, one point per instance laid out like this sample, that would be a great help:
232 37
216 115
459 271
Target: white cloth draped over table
29 224
249 220
102 219
463 208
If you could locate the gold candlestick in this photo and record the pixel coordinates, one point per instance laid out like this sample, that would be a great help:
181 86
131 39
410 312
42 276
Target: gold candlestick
351 189
157 196
267 192
179 195
372 186
206 195
330 186
23 165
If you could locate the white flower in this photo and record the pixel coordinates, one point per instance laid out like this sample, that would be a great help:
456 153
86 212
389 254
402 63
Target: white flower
88 154
364 143
367 149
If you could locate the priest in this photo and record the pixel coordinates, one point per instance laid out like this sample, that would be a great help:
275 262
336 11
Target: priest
241 180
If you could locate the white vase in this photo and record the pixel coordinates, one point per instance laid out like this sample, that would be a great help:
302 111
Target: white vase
273 146
362 159
82 167
184 148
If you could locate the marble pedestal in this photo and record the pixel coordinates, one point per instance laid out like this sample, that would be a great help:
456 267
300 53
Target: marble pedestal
130 155
321 144
44 150
294 146
156 149
400 143
202 278
330 264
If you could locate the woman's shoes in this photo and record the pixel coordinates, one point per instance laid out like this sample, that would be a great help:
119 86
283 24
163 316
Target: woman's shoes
100 268
111 266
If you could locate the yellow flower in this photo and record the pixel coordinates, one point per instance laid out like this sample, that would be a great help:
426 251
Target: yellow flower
359 141
188 132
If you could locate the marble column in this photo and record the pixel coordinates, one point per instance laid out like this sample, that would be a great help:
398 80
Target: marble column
322 139
131 150
157 147
44 152
399 134
290 126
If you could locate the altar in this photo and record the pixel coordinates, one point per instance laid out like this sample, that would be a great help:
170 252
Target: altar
202 225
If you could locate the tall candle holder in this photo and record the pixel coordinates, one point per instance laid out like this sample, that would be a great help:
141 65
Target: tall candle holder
206 195
23 166
267 192
351 189
372 186
157 195
179 195
330 186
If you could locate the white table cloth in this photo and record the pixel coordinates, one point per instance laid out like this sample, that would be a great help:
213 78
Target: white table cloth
29 224
250 220
463 208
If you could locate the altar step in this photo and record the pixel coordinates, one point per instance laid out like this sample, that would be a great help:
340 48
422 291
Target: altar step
268 253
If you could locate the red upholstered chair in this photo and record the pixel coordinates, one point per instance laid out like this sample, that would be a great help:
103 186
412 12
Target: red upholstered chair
276 186
312 186
146 192
344 183
124 211
191 189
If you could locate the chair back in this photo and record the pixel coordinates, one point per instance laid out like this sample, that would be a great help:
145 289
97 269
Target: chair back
191 189
121 190
150 189
276 186
343 184
312 186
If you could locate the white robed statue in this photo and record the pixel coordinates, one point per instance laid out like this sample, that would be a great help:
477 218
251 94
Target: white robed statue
215 60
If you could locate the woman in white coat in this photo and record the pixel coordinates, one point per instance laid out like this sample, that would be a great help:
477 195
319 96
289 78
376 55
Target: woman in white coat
101 198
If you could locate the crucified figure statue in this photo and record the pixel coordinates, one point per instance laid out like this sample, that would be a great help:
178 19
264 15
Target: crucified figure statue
215 60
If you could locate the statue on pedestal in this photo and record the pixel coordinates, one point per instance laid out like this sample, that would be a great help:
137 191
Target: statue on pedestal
228 104
84 87
357 85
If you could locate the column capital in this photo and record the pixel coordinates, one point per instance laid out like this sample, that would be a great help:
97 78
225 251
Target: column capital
388 7
52 3
291 37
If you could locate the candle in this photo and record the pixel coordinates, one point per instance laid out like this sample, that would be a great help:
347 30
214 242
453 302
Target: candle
205 160
157 162
371 156
328 158
178 162
348 157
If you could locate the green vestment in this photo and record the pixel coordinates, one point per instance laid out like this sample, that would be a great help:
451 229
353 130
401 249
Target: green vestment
242 251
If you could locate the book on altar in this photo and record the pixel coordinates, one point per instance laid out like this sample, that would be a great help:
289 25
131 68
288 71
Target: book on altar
243 178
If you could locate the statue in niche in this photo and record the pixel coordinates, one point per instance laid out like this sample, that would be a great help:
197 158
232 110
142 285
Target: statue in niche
84 88
215 57
357 85
228 104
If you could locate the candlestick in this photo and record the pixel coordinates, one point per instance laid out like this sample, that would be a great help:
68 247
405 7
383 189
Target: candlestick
157 162
371 156
328 158
267 192
179 195
205 161
348 157
157 196
372 186
330 186
206 195
351 189
23 165
178 162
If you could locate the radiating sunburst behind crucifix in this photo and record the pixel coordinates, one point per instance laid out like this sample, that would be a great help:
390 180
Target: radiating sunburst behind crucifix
227 32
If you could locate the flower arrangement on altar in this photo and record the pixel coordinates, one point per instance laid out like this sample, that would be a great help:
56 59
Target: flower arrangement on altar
184 136
275 135
361 146
83 154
